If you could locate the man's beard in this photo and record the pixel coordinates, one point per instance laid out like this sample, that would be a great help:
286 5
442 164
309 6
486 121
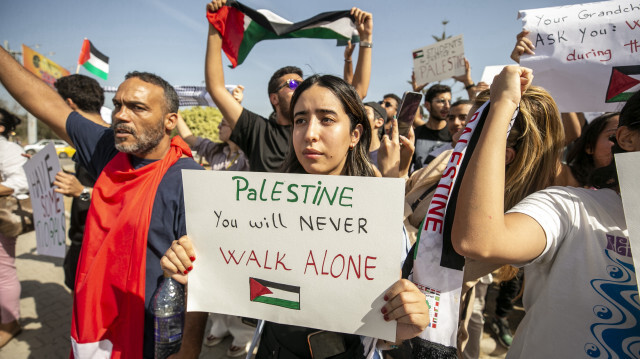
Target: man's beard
145 141
284 109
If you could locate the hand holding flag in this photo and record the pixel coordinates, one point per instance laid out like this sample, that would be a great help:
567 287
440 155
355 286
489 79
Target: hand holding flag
241 27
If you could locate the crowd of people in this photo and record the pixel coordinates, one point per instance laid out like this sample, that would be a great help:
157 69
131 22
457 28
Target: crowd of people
535 208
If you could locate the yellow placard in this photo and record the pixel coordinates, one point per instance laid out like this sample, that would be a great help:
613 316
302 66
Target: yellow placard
41 66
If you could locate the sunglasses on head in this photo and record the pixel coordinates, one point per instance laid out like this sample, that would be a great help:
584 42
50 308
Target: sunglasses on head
293 84
385 104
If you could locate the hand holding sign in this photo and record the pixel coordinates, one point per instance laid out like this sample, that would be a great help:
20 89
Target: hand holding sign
523 46
405 303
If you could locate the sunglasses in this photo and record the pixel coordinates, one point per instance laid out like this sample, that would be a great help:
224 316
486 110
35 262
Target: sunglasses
385 104
293 84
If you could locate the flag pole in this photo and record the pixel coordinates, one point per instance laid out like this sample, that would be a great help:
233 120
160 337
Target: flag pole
78 68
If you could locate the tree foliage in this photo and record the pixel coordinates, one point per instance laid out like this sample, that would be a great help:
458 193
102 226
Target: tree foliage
203 121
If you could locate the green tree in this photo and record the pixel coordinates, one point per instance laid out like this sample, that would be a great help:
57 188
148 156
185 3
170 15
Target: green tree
203 121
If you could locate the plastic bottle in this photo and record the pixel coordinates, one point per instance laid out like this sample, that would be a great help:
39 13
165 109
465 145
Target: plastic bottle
168 310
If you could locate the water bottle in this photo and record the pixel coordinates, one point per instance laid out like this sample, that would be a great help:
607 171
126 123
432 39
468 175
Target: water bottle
168 311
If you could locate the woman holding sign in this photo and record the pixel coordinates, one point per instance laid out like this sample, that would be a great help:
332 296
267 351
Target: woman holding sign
581 295
330 136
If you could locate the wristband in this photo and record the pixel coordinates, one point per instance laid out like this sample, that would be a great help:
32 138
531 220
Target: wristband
347 60
366 44
469 86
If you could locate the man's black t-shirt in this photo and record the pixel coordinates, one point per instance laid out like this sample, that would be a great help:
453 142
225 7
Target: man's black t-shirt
426 140
264 141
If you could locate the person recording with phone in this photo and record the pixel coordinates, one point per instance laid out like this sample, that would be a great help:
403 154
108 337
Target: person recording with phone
434 133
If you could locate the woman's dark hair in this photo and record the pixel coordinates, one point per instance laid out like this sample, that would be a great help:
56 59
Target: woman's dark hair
9 121
579 161
357 163
607 177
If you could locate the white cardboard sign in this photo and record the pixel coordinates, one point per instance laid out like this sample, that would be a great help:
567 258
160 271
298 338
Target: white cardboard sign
490 72
439 61
48 205
628 174
587 56
306 250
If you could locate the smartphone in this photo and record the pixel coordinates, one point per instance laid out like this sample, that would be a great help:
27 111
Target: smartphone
325 344
407 111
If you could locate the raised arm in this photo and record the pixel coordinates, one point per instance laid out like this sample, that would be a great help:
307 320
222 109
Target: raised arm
214 73
34 95
466 80
185 132
348 64
362 75
523 46
481 230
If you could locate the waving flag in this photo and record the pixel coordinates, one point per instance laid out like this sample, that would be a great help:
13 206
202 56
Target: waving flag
93 60
241 27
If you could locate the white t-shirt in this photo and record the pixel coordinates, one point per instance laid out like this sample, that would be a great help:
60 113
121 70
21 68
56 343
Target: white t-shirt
580 297
12 174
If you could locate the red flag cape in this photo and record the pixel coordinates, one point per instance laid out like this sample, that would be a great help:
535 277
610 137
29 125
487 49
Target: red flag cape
108 306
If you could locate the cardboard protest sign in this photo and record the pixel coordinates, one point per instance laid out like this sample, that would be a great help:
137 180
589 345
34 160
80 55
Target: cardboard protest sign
48 205
313 251
587 56
439 61
628 174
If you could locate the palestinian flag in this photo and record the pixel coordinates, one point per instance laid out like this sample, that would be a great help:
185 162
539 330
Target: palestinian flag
241 27
623 82
93 60
278 294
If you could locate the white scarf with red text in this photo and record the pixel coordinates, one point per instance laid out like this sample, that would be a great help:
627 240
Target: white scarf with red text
437 268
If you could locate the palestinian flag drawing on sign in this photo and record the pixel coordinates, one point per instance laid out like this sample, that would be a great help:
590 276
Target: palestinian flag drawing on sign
621 81
278 294
241 27
93 60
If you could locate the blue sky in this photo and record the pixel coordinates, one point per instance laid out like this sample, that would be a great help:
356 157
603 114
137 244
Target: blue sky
169 38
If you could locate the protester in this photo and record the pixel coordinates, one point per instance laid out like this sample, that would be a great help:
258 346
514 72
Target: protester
225 155
560 237
330 136
265 141
85 96
139 186
13 181
593 149
391 103
434 132
456 120
376 116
